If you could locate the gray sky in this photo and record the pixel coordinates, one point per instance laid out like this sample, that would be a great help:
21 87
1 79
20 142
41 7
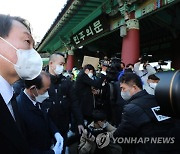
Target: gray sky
40 13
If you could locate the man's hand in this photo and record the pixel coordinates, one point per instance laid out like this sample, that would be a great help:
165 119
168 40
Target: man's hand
80 129
104 68
95 91
59 141
88 136
57 148
91 138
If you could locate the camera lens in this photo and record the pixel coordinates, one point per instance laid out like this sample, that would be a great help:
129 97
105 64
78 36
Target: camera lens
167 93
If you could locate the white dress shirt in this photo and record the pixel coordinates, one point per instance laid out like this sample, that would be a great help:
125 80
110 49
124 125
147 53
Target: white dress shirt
6 91
34 102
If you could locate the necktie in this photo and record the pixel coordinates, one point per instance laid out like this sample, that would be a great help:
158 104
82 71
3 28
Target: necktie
15 111
38 105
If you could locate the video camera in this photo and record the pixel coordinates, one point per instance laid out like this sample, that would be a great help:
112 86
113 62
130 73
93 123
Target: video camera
167 93
145 58
104 63
162 62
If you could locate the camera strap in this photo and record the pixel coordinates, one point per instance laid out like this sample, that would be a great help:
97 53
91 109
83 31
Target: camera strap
144 74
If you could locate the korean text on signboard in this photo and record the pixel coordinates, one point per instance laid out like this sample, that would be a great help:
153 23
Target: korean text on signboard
96 27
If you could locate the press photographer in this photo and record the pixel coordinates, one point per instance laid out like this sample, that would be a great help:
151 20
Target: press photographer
147 70
88 138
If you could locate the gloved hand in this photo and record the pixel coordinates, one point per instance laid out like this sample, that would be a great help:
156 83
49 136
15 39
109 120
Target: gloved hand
59 143
57 148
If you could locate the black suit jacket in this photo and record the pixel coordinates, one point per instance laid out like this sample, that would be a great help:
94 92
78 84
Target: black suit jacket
83 90
39 129
11 139
66 103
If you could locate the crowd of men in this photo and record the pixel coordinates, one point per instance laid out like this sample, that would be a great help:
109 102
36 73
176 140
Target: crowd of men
38 108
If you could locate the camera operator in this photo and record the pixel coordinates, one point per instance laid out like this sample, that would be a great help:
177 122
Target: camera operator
147 70
98 126
115 70
139 118
152 82
83 89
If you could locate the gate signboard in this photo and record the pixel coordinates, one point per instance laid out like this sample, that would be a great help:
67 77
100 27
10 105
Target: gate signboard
90 31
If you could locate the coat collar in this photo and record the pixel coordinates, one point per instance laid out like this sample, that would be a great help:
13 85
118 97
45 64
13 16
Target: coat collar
9 129
34 102
56 79
138 94
28 104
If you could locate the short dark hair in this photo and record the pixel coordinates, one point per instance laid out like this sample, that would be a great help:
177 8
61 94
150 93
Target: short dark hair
114 69
153 77
89 67
6 24
123 64
98 115
128 70
129 65
130 79
36 82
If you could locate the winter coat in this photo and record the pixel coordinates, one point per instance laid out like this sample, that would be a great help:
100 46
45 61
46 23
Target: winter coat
39 129
88 145
63 103
139 120
83 91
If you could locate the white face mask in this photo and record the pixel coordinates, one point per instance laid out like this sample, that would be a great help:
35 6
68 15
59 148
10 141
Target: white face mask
41 98
125 95
29 63
59 69
103 84
90 75
153 85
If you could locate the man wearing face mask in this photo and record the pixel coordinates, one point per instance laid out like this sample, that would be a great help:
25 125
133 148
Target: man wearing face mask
152 82
138 118
64 103
147 70
18 59
88 138
83 88
39 129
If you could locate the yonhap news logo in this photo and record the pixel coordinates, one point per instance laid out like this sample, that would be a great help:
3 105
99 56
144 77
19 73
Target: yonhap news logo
103 140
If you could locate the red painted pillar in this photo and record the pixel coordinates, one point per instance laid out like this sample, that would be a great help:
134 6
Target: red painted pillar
174 55
131 44
70 60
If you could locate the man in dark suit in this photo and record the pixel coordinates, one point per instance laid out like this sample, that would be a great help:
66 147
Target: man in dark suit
83 88
16 44
64 102
39 129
